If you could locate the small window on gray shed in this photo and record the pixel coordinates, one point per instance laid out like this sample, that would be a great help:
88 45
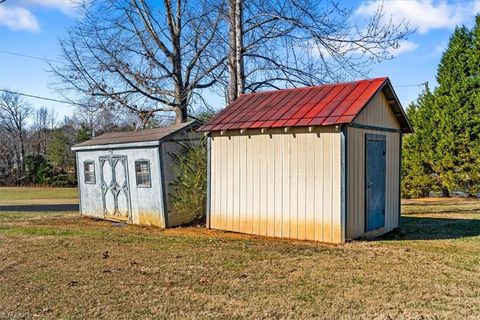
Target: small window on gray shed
89 172
142 170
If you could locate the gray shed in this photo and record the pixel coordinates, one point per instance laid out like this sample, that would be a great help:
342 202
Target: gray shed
125 176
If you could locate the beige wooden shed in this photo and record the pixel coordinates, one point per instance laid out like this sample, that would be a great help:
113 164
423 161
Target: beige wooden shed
317 163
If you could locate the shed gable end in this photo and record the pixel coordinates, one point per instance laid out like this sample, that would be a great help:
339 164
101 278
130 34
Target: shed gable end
378 113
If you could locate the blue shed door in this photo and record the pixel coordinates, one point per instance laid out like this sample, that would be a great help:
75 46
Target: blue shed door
375 166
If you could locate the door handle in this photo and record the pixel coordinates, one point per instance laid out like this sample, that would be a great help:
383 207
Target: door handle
369 183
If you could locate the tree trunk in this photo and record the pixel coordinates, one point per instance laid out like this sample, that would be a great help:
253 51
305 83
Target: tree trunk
44 141
181 114
445 192
181 109
240 77
236 84
232 54
22 153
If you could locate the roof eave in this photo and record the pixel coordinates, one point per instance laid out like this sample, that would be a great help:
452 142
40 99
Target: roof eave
384 86
398 110
125 145
133 144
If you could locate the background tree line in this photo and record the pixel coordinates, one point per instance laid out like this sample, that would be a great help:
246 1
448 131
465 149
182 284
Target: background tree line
35 147
443 154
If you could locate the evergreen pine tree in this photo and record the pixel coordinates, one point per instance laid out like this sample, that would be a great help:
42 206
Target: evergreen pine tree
83 133
444 152
451 111
417 173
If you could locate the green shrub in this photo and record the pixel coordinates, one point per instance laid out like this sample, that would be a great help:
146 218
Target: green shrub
189 189
63 180
37 168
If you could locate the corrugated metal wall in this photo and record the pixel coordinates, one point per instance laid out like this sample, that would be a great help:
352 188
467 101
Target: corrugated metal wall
377 113
278 184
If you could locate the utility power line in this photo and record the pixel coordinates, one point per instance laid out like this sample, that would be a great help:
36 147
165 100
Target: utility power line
46 59
39 97
18 54
412 85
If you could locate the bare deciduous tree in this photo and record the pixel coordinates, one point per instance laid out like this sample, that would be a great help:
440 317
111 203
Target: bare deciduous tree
285 43
144 56
100 118
7 158
43 123
149 57
14 113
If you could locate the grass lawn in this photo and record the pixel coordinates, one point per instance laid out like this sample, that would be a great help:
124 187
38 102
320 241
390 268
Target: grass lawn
60 265
27 196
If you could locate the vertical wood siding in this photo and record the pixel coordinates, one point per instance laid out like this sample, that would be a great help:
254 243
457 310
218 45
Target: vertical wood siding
377 113
146 203
278 184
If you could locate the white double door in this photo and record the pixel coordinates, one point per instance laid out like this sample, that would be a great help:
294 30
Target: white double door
115 187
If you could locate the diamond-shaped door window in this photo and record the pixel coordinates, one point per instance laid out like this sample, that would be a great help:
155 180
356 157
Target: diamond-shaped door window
122 204
120 174
110 202
107 173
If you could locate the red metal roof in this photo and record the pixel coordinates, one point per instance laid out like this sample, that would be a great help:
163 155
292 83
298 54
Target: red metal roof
323 105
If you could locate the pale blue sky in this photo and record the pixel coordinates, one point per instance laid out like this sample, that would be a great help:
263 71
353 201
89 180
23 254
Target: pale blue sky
32 27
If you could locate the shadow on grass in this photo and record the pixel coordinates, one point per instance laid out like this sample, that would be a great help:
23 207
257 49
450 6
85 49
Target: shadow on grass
474 210
464 202
420 228
39 208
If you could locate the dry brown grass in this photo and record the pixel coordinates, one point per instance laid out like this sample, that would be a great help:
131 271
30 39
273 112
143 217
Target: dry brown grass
60 265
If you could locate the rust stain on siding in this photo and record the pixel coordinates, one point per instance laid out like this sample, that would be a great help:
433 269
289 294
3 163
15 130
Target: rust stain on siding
331 233
149 219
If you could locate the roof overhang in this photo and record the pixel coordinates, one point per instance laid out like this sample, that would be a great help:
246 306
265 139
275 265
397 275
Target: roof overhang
93 144
337 104
396 106
143 144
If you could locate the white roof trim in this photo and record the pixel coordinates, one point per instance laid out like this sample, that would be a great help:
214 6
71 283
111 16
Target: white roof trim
118 145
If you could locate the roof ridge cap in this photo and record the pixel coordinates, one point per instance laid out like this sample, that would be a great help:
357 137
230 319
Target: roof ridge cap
316 86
